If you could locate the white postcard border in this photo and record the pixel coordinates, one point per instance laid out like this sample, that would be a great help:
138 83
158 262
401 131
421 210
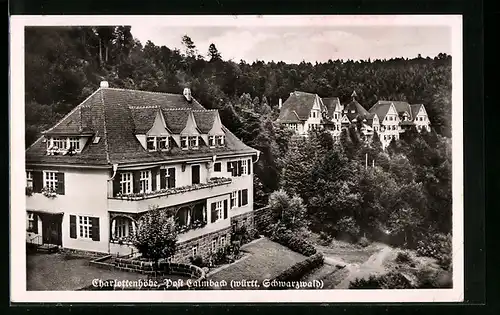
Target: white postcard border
17 175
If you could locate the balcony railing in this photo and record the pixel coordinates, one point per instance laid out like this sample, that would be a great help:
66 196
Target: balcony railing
213 182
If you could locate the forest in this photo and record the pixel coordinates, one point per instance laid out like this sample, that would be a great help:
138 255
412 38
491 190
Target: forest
406 189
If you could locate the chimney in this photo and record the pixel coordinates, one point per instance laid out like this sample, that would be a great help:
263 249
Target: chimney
280 103
187 94
104 84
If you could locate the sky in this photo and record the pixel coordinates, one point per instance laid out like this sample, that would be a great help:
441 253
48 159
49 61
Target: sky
293 44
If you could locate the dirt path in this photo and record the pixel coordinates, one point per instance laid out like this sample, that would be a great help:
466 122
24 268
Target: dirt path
373 265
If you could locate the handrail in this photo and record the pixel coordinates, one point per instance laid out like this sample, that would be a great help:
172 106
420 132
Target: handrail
38 237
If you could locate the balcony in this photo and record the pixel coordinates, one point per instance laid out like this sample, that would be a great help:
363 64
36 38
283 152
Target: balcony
139 202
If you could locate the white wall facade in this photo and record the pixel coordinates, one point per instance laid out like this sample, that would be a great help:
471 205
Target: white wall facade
85 195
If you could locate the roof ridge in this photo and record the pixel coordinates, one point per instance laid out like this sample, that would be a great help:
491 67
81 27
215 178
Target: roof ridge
143 106
142 91
204 110
177 109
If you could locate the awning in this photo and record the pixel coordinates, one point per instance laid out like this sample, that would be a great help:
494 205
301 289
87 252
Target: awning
45 212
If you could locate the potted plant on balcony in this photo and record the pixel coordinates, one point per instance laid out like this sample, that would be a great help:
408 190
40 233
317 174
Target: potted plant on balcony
49 192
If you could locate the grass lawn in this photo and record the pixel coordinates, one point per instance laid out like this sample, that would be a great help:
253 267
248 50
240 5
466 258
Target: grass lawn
60 272
265 259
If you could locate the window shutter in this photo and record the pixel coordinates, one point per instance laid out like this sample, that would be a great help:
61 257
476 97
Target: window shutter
239 198
244 202
171 177
116 184
35 223
137 183
239 169
249 171
229 167
72 226
163 178
95 229
225 209
37 181
214 213
60 183
154 171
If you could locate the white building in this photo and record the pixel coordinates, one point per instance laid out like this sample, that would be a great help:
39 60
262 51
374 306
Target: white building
93 174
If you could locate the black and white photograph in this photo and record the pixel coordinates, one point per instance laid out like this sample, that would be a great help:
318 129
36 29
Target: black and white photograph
254 158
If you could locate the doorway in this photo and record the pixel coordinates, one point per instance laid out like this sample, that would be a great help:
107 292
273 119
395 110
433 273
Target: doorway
51 229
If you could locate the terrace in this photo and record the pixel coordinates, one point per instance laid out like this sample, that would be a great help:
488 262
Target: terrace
139 202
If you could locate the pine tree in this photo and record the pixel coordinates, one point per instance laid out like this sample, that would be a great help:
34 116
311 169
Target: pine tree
213 53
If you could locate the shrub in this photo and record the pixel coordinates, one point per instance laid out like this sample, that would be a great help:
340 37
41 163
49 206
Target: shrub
197 261
297 271
363 242
404 257
438 246
431 278
297 244
156 235
347 229
391 280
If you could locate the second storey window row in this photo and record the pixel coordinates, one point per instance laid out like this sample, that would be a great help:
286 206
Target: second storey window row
46 180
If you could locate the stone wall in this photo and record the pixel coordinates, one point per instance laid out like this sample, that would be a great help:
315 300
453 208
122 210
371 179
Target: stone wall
245 219
203 243
262 218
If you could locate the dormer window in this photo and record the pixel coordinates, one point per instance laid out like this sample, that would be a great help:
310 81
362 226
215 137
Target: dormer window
151 144
220 140
193 142
74 143
162 143
184 142
157 143
59 143
211 141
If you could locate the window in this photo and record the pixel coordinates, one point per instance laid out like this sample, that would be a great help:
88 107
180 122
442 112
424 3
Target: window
193 142
144 181
162 143
220 140
74 143
352 111
60 143
151 143
222 241
211 141
234 199
244 168
123 227
126 183
29 179
214 245
31 222
50 180
217 167
85 227
244 197
194 250
218 209
184 142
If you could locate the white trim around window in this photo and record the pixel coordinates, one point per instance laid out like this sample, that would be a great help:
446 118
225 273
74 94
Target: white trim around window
145 181
84 227
126 183
50 180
